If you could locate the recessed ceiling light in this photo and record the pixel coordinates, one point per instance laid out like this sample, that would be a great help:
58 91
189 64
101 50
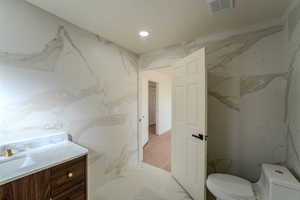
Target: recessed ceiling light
144 33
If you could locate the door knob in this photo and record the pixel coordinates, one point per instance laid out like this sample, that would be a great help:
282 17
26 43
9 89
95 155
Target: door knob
70 175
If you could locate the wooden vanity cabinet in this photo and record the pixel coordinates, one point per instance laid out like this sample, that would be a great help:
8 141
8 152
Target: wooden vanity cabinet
33 187
67 181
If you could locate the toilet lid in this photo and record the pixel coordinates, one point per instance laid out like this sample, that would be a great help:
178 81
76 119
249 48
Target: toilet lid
232 187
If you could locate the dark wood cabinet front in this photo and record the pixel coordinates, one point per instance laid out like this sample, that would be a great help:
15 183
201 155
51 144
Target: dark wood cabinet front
66 181
67 175
33 187
77 192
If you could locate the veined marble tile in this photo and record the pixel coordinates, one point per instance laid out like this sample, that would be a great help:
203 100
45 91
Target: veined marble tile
44 60
34 140
147 183
243 91
228 101
250 84
219 53
69 80
293 20
292 94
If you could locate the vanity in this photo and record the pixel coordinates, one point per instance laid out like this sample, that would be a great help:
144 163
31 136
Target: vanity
44 168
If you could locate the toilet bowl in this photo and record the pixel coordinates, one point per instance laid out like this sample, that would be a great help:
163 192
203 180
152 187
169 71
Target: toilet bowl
275 183
227 187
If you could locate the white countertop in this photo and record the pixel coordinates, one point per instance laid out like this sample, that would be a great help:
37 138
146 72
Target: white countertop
37 159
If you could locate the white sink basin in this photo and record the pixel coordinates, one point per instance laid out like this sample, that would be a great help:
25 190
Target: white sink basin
10 159
16 164
32 160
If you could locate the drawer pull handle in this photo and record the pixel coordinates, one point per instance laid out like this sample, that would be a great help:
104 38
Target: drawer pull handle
70 175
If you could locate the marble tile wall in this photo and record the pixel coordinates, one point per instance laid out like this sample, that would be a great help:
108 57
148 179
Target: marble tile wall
293 94
57 77
247 82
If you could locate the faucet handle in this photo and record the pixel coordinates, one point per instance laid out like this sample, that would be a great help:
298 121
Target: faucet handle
8 152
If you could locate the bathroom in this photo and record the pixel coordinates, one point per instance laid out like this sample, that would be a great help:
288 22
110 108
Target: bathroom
62 74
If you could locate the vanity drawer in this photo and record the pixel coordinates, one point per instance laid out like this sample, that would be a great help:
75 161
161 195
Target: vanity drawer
67 175
75 193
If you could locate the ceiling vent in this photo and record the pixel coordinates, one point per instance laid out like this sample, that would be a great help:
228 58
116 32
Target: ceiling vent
218 5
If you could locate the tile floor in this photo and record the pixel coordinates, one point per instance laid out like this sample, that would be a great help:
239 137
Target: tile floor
143 183
157 152
147 182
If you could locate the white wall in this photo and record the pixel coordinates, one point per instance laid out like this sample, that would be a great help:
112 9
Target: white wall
55 76
164 85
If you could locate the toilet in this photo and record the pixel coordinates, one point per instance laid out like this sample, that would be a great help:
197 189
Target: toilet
275 183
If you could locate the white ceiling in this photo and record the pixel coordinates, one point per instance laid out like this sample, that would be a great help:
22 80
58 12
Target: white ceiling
169 21
169 71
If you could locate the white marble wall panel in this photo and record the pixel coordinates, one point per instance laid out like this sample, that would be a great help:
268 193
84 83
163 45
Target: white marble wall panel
293 94
248 77
57 77
247 82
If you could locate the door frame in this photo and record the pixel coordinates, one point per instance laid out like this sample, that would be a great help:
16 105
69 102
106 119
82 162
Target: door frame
140 149
140 109
156 105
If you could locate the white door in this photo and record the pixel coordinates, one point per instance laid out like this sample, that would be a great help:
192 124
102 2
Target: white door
189 132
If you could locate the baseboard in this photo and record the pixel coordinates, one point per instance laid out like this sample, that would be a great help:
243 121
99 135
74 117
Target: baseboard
166 132
146 144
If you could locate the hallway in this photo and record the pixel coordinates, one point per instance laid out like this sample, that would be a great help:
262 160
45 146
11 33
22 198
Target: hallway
157 152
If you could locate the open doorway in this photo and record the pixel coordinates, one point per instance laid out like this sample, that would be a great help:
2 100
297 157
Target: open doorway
157 117
186 108
152 108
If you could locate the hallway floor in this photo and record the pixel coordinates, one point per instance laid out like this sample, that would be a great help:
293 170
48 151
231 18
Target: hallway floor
157 152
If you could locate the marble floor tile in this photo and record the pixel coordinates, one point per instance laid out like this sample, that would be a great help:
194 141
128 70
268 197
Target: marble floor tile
143 183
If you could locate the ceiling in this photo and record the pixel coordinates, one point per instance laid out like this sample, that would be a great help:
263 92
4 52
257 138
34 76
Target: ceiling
169 71
168 21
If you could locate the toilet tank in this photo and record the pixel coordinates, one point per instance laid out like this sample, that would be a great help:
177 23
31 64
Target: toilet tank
278 183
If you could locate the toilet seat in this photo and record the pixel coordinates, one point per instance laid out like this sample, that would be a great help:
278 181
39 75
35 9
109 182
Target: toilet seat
230 187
